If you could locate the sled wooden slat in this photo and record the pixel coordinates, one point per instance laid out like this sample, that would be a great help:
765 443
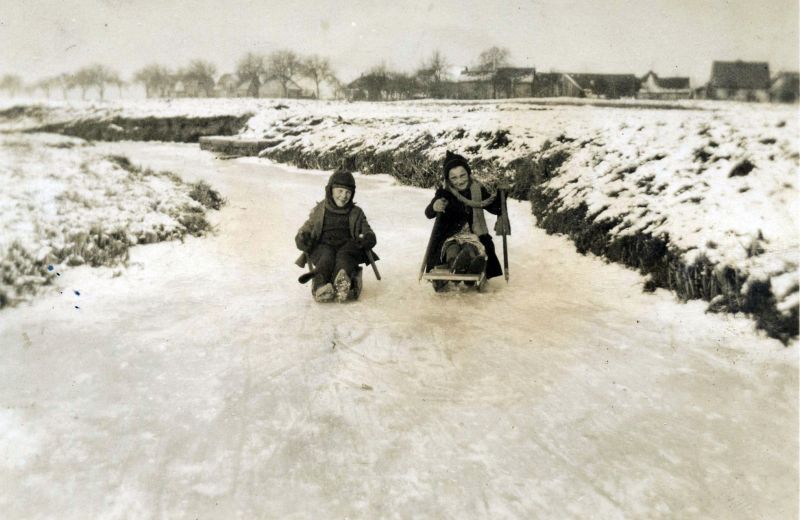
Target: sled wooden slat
451 277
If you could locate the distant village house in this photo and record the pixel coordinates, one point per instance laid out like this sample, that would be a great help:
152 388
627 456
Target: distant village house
739 81
226 86
501 83
785 87
653 87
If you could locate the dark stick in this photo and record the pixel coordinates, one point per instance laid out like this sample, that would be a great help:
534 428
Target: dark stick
371 258
428 249
504 209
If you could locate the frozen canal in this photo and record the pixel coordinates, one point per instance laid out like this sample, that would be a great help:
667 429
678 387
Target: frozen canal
203 381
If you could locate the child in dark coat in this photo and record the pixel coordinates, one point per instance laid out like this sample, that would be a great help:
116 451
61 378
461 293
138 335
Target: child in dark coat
460 236
335 238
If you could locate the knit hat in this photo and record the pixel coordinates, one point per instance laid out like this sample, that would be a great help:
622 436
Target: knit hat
453 160
343 178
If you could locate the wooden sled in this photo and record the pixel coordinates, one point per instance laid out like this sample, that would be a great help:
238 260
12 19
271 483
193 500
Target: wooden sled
441 273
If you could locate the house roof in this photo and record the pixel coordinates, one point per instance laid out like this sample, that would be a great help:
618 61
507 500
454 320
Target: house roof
244 86
676 83
740 75
673 83
786 76
470 77
590 80
228 80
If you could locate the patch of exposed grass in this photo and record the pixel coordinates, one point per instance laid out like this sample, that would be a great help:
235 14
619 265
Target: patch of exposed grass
203 193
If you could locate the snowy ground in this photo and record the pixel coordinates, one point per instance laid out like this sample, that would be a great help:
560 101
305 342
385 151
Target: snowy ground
63 201
205 382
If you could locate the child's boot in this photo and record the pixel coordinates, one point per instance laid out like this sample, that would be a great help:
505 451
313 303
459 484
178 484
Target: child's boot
342 285
477 265
324 293
462 261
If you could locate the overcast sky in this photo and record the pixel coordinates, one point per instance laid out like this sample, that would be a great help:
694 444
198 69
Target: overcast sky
673 37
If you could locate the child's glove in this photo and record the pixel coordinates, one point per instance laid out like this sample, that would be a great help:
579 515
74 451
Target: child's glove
440 205
303 241
365 241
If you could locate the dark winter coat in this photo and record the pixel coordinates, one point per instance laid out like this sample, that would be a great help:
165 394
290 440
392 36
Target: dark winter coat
313 226
452 220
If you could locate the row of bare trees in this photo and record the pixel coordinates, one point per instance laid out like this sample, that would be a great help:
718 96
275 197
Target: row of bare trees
428 80
253 70
160 81
284 66
94 76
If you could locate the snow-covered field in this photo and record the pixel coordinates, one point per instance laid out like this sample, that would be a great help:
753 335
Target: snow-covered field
205 382
62 202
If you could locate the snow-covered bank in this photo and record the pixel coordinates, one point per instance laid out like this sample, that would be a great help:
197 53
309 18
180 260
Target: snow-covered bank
104 122
216 387
62 202
700 196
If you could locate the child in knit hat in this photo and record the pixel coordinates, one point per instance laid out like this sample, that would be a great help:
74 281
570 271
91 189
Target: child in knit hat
460 237
335 238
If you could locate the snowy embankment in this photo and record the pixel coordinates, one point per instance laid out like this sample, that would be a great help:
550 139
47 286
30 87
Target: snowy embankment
123 121
700 196
63 203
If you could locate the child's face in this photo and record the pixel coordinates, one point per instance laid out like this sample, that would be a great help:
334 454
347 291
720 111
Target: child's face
341 196
459 178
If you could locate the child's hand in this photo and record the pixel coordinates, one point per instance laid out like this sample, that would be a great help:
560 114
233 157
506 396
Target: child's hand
440 205
365 241
304 241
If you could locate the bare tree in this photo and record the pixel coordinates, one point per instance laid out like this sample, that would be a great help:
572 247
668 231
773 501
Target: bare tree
119 83
283 66
156 79
83 80
432 73
317 69
100 76
493 57
203 73
113 78
339 89
249 70
11 83
47 84
403 86
65 82
437 65
97 76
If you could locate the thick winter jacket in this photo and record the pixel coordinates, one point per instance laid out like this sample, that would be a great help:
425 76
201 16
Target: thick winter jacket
313 226
452 220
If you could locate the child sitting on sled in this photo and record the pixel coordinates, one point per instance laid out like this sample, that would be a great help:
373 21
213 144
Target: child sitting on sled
335 238
460 238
